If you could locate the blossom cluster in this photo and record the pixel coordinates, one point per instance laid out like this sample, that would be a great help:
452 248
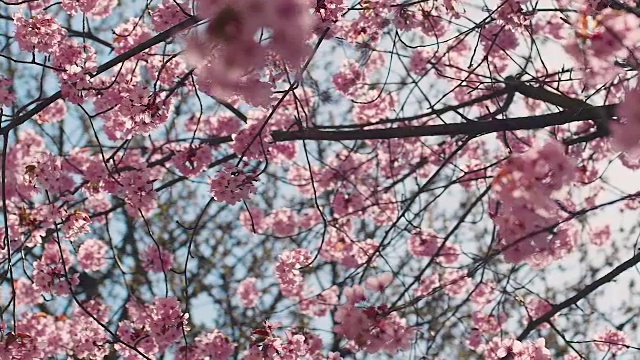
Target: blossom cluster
229 52
232 185
371 328
288 271
524 209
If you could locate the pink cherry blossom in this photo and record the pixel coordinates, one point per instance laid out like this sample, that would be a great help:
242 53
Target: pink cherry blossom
6 94
625 135
192 160
536 308
232 185
288 271
227 51
92 255
42 32
373 329
157 259
612 340
379 283
525 186
73 6
214 345
49 274
321 304
601 236
168 14
248 292
54 113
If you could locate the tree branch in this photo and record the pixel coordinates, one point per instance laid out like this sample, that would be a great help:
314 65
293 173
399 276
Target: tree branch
579 295
469 129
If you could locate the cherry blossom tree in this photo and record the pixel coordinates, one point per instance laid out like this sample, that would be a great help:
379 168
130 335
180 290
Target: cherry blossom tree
319 179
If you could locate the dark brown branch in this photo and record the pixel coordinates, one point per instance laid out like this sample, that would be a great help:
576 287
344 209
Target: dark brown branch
469 129
579 295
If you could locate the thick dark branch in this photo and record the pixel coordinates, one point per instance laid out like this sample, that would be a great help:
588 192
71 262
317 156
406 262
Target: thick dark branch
579 295
469 129
90 36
